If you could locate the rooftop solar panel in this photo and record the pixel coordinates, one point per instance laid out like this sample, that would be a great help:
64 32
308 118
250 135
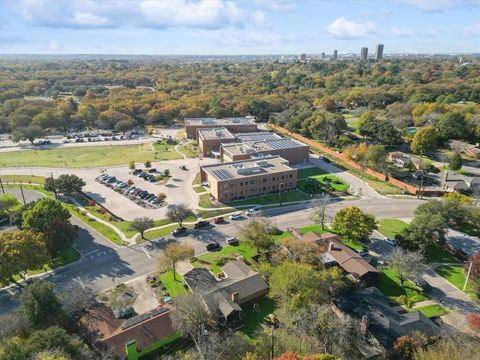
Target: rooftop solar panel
222 174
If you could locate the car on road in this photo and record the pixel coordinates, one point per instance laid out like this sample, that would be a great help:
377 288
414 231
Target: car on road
230 240
201 223
252 212
219 220
362 252
179 231
213 246
422 284
236 215
390 241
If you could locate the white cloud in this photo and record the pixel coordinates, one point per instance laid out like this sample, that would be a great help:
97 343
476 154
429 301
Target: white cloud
440 5
202 14
54 46
472 30
342 28
402 32
259 18
277 5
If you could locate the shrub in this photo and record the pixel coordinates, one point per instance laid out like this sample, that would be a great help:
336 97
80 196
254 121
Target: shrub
103 211
91 203
193 259
221 261
473 321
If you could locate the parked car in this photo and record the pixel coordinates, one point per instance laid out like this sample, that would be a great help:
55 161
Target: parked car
179 231
201 223
136 171
236 215
219 220
422 284
362 252
213 246
373 261
252 212
153 170
230 240
390 241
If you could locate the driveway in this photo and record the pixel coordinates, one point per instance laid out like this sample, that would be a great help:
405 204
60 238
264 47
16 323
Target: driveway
357 186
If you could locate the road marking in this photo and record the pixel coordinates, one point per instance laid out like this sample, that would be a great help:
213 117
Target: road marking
91 252
146 252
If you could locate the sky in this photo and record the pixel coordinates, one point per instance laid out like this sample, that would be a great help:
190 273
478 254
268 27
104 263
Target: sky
189 27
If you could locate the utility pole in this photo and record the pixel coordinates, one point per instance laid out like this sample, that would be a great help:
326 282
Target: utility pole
419 195
1 184
468 275
23 195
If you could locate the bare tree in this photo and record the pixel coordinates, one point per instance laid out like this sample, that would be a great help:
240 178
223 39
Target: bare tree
141 224
319 209
407 264
172 255
77 297
178 213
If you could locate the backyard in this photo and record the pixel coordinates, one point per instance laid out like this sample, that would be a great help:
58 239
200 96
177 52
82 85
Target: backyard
389 285
325 230
88 156
173 286
253 317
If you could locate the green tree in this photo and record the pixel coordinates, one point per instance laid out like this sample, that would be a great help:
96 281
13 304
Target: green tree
20 251
256 233
172 255
7 201
148 164
40 306
376 156
29 133
131 166
426 229
424 140
141 224
352 223
65 184
49 217
124 125
406 264
456 162
451 125
178 213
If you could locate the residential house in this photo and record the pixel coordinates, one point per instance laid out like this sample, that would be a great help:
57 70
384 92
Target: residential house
105 330
466 148
381 324
225 297
452 181
338 254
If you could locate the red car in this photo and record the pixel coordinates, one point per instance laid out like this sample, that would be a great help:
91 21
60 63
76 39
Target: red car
218 220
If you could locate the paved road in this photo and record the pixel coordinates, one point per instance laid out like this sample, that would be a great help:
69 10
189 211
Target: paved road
357 186
469 244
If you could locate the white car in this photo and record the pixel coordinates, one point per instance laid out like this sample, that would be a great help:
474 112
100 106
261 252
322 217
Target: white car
236 215
253 211
362 252
230 240
390 241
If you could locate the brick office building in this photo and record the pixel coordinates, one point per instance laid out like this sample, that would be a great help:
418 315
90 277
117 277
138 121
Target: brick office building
234 125
249 178
289 149
210 140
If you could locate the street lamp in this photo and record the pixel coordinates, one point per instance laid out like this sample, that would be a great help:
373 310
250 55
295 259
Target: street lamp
280 192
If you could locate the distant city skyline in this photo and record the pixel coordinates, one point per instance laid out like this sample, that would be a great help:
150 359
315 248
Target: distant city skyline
202 27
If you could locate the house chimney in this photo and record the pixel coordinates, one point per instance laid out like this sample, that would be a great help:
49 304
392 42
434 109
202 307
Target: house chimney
235 297
331 247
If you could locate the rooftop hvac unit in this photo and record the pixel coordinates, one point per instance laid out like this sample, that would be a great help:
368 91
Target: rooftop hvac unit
262 163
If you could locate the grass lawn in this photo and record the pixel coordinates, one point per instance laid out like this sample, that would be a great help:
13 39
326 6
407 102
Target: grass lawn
310 172
318 229
389 285
435 254
282 237
214 260
190 149
173 286
87 156
319 183
30 179
252 318
152 235
272 199
206 214
207 202
431 310
196 180
199 189
109 233
124 226
456 276
391 227
157 346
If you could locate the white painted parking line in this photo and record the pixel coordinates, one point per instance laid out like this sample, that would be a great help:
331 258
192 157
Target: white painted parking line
91 252
146 252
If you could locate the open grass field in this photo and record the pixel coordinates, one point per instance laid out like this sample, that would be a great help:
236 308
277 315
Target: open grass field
391 227
173 286
207 214
319 183
389 285
216 259
86 156
152 235
190 149
272 199
309 172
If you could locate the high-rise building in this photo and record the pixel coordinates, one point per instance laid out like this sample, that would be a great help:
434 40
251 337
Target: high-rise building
302 58
335 53
364 53
379 52
323 55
